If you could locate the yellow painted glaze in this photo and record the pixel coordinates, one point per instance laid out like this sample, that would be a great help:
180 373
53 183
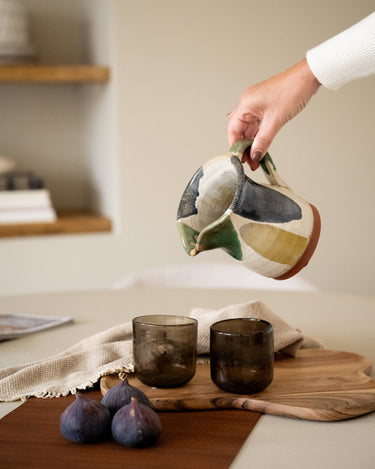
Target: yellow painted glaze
274 243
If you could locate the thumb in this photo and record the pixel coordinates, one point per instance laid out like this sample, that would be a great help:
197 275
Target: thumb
263 139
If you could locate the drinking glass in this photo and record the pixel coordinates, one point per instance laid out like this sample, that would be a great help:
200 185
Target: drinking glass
241 355
164 349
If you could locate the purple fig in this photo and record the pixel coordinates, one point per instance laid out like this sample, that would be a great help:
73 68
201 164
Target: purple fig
85 421
121 394
136 425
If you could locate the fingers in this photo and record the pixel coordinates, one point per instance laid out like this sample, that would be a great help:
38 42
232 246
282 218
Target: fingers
262 133
263 139
236 128
235 133
241 126
246 159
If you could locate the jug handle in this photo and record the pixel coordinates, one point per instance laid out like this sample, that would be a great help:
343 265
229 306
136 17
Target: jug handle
267 164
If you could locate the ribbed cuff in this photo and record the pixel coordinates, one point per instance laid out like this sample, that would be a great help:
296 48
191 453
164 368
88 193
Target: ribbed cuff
346 57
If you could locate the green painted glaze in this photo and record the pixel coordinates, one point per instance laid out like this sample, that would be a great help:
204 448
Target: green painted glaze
188 236
240 146
263 162
221 235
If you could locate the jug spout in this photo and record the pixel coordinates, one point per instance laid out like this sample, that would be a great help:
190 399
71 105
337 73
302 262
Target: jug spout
220 234
188 237
204 213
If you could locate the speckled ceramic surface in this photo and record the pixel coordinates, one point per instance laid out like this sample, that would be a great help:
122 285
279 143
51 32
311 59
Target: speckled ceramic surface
268 227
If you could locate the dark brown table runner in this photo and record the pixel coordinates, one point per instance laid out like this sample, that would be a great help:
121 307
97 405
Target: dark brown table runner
30 438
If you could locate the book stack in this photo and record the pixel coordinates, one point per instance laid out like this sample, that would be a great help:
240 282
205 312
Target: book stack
24 199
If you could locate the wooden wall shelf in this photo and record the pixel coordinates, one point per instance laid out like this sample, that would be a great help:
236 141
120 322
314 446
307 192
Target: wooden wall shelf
53 74
68 221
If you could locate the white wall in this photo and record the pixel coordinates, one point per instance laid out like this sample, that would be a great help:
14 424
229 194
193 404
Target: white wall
178 68
183 66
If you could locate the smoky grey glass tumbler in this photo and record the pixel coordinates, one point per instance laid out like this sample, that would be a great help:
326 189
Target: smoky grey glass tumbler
164 349
242 355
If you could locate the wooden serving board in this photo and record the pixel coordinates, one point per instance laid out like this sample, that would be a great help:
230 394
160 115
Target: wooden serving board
318 384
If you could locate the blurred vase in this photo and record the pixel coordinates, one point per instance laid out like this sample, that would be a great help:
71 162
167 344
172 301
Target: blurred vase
14 36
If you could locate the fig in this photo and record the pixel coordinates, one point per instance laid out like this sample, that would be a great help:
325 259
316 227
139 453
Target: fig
85 421
121 394
136 425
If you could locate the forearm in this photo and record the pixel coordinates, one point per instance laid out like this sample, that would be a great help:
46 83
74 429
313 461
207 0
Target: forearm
346 57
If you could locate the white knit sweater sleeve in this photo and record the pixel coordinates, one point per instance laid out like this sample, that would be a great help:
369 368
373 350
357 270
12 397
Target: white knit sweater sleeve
345 57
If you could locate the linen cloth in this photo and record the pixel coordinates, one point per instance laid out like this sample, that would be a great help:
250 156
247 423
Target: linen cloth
80 366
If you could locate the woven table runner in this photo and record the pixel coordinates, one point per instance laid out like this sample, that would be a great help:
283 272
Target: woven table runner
30 438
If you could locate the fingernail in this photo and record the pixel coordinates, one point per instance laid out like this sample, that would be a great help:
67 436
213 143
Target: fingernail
256 156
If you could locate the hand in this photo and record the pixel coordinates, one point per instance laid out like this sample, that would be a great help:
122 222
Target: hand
264 108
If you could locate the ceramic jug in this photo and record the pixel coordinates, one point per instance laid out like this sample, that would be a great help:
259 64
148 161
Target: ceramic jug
269 228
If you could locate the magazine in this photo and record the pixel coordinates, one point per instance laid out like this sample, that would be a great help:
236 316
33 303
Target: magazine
18 325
